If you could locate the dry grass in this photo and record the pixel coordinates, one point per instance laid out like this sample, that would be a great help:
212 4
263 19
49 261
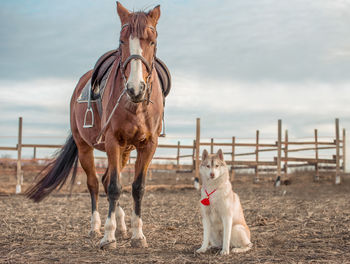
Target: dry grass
304 222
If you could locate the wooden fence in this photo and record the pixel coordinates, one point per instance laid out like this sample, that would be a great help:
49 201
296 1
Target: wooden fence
279 164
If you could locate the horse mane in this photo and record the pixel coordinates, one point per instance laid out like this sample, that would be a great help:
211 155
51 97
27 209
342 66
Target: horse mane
137 24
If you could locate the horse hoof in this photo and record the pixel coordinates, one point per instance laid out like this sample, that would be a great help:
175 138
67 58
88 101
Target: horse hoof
94 233
108 244
139 243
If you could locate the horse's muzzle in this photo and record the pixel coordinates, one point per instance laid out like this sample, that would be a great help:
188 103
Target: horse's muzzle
136 96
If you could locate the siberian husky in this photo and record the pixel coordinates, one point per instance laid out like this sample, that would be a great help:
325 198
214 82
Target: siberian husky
224 225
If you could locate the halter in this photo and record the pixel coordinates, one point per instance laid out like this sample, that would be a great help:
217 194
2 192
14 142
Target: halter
149 68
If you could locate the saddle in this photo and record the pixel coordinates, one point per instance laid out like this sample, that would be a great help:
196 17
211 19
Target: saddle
93 90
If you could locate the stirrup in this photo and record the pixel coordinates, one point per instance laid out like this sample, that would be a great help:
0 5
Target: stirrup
163 134
92 118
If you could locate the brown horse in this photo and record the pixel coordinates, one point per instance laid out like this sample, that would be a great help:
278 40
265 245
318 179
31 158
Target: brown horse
132 111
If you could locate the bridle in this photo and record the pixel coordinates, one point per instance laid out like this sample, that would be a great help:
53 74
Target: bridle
149 68
122 66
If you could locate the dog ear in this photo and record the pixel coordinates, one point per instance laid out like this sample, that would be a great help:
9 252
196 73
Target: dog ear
220 154
204 154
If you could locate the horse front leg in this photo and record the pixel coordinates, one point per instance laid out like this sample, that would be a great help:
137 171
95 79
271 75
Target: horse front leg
114 190
120 215
144 157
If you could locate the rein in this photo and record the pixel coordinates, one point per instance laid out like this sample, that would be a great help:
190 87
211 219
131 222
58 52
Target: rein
98 139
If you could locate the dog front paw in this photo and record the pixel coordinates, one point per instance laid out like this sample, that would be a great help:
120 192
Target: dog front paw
201 250
224 252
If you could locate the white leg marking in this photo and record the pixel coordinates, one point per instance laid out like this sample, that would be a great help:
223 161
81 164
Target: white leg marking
136 76
110 227
206 232
227 223
121 220
136 227
95 223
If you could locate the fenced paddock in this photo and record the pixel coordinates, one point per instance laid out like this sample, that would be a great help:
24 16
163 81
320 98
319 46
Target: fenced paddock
305 222
277 156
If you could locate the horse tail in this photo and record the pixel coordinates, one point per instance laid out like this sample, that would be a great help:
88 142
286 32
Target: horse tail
56 173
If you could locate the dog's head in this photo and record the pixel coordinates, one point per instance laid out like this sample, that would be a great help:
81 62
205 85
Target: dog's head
213 165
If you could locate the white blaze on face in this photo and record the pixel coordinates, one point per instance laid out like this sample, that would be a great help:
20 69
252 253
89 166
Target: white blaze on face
136 76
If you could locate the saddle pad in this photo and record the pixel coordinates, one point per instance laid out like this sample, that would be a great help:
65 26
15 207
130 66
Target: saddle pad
83 97
95 95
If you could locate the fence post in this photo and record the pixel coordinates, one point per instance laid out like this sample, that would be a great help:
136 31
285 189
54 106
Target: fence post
198 135
34 153
19 156
193 155
256 179
178 155
286 153
211 146
279 143
344 150
233 158
317 172
337 163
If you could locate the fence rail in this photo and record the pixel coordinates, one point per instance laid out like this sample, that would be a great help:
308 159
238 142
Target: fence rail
281 147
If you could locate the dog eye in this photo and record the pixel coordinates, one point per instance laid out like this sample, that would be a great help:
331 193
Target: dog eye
216 166
208 166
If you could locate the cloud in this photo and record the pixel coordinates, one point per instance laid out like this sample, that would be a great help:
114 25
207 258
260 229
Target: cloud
239 65
242 40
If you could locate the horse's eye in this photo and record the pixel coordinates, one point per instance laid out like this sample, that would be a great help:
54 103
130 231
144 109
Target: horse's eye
121 42
152 43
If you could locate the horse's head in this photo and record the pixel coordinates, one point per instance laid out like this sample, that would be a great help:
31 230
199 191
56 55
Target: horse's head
138 42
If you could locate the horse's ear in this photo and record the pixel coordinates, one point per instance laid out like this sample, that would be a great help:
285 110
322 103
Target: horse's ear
154 14
204 155
220 154
123 13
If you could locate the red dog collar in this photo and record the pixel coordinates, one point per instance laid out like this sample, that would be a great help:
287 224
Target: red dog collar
206 201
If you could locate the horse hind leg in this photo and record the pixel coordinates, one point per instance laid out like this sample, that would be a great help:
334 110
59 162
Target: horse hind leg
86 159
121 226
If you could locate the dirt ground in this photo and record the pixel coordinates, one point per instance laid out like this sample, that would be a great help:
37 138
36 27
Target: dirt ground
303 222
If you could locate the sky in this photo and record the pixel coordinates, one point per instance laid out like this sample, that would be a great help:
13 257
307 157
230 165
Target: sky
238 65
